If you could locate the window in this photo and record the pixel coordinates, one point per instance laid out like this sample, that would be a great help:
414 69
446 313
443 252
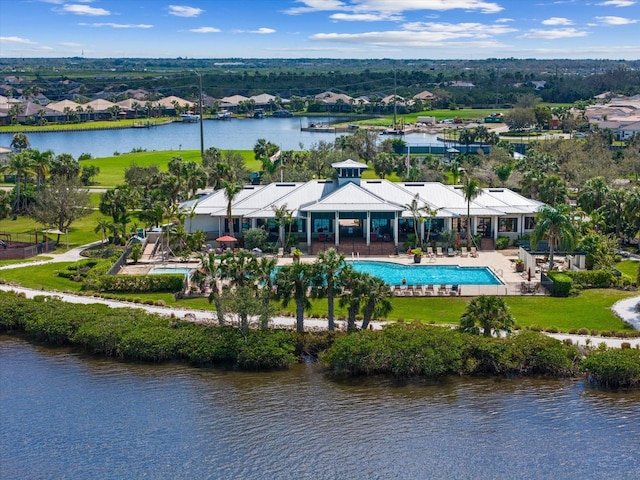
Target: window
508 225
321 225
529 223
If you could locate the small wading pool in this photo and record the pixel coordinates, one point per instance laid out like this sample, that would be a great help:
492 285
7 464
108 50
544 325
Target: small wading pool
393 274
186 271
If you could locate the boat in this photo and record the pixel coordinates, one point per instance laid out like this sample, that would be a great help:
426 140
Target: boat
224 115
189 117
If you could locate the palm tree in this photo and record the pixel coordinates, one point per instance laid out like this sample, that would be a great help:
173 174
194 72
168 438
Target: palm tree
263 273
471 190
354 291
41 164
327 269
593 194
486 312
376 299
20 164
211 270
292 282
20 142
284 218
553 190
231 191
556 225
102 227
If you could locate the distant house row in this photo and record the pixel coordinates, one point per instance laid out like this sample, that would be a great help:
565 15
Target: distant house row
620 114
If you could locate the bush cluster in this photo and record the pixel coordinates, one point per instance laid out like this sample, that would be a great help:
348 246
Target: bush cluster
136 335
502 243
417 350
613 368
140 283
591 278
562 284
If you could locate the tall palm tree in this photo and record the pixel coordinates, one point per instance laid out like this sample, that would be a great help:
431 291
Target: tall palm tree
376 299
41 164
487 312
263 274
293 281
471 190
593 194
231 191
326 282
354 290
102 227
210 267
556 225
21 165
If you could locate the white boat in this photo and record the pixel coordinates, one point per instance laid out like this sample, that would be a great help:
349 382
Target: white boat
223 115
190 117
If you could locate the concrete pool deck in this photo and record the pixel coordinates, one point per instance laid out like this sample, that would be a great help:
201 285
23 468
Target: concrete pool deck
500 262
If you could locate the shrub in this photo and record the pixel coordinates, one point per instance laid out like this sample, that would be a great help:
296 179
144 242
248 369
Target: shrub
583 331
140 283
613 368
502 243
592 278
267 350
562 284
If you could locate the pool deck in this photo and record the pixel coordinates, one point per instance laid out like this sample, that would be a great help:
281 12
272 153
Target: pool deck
501 262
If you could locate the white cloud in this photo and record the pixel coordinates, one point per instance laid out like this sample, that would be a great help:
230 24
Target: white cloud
505 20
611 20
557 21
366 17
59 2
116 25
392 6
70 44
184 11
617 3
85 10
24 41
205 30
263 31
555 34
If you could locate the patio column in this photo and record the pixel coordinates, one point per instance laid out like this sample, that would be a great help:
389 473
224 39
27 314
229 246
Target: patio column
309 230
494 221
395 229
337 228
367 229
254 223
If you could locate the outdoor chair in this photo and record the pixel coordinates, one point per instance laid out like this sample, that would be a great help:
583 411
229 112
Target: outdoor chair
442 290
439 252
464 252
429 251
474 252
450 252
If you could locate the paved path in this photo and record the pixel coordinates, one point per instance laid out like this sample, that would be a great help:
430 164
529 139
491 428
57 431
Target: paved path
624 309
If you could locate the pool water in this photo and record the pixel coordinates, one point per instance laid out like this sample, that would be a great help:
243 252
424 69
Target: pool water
393 274
171 270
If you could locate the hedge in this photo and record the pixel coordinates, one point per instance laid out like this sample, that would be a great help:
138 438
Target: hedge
592 278
613 368
562 283
140 283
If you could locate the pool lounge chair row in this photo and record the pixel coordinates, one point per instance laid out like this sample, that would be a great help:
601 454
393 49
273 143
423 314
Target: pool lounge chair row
425 290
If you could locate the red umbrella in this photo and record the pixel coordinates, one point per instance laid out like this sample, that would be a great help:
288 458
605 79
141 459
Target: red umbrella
226 238
529 275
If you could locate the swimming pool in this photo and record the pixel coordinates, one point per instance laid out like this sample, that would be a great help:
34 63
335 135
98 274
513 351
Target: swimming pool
393 273
169 270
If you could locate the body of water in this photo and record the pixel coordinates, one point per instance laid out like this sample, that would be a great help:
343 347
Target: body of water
240 134
69 416
394 274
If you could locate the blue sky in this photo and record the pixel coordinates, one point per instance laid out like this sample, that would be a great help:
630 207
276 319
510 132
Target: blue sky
433 29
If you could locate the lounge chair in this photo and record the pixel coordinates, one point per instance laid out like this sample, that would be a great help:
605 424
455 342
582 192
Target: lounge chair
397 291
455 290
474 252
439 252
464 252
442 290
429 251
450 252
429 290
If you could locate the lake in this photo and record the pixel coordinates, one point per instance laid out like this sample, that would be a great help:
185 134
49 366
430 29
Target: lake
238 134
66 415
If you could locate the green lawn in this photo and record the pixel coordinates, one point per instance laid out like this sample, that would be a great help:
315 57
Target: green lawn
629 267
93 125
80 233
112 168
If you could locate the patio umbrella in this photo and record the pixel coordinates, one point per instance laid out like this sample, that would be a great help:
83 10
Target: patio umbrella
529 275
226 238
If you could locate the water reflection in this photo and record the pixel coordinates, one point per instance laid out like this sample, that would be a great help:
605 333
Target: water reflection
73 416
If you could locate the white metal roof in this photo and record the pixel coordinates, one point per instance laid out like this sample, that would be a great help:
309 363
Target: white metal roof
267 195
351 197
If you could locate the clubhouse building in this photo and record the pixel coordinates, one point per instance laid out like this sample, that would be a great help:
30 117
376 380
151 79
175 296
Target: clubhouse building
367 217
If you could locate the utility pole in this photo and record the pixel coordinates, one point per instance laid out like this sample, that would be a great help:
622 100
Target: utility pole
201 117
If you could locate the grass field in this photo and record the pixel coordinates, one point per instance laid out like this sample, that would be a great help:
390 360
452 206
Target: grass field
112 168
93 125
